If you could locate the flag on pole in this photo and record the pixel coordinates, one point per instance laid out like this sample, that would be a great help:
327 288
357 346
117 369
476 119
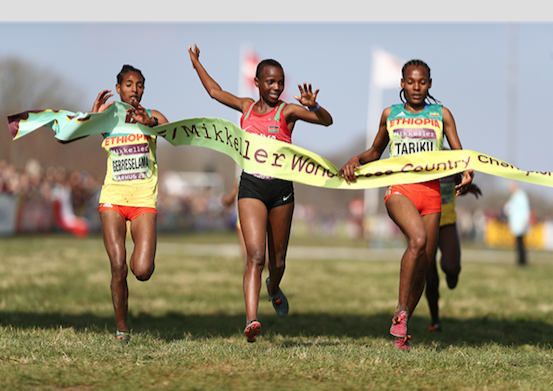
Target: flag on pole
248 64
386 70
385 74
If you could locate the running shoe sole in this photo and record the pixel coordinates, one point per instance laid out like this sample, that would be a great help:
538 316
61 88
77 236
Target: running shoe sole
252 330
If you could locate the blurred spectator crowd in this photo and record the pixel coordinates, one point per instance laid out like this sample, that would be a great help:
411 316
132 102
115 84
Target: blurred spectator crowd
33 191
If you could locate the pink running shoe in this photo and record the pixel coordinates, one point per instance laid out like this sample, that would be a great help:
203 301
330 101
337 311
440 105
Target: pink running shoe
399 324
403 343
252 330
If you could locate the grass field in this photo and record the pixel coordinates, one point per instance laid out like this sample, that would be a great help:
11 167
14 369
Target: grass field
56 322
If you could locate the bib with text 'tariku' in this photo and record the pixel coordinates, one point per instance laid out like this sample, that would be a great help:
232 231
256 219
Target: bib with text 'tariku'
415 132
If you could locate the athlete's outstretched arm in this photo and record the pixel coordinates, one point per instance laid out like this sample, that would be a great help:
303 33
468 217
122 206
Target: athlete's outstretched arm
213 89
450 131
373 153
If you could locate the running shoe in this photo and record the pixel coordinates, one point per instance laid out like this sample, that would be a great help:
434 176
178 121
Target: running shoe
280 303
402 343
452 281
122 336
252 330
435 327
399 324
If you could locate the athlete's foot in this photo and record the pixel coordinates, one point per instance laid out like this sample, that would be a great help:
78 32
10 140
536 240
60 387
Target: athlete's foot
252 330
122 337
280 303
399 324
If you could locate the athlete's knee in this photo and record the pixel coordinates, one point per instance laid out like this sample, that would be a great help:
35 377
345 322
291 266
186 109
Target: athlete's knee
143 270
451 270
143 274
256 257
418 244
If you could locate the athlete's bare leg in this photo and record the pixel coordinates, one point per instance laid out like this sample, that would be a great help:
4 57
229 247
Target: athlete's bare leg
432 226
415 259
280 222
114 230
432 291
144 235
450 261
450 249
253 221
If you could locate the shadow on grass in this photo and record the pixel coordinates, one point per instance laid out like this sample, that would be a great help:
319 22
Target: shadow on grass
175 326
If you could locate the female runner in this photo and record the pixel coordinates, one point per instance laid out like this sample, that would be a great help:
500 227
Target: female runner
129 193
415 207
265 204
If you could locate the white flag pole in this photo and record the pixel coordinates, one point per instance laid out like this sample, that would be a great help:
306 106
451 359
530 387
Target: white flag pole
373 110
385 74
244 90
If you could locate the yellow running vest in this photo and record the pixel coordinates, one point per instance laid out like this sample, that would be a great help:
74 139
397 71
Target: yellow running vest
131 175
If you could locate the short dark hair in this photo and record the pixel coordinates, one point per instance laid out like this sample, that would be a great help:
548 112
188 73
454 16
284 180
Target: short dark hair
267 63
126 69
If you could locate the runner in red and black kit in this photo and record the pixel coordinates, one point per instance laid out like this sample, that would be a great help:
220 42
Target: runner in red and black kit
265 204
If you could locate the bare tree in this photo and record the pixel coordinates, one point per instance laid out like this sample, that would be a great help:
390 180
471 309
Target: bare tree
25 86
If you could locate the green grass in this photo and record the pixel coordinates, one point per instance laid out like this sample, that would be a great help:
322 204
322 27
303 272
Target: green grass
56 321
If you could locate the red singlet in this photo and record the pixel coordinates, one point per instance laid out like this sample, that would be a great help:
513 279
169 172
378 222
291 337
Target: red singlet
270 125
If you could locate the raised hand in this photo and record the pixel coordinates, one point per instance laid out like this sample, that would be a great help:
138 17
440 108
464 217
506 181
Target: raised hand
308 97
194 53
100 105
140 114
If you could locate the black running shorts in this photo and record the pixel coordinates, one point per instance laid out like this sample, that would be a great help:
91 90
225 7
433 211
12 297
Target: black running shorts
272 192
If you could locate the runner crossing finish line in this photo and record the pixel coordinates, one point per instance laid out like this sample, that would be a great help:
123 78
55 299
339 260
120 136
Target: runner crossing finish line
271 157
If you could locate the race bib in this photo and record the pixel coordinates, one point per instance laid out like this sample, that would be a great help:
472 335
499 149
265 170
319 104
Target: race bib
413 140
130 162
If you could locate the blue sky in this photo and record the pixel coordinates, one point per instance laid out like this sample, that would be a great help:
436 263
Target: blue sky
469 61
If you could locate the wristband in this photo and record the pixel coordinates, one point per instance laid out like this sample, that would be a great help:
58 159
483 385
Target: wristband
155 122
312 109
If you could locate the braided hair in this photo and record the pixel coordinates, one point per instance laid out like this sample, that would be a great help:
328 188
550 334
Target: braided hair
417 63
126 69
